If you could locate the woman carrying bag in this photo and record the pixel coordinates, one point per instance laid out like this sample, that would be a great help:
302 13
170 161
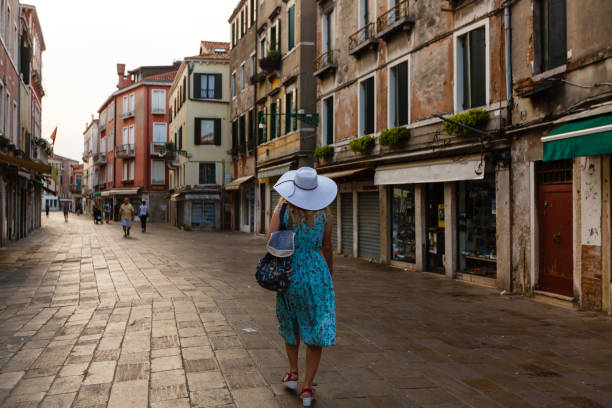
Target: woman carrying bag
306 309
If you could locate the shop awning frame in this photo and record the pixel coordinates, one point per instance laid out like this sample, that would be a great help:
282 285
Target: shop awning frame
273 171
587 137
431 172
344 173
25 163
235 184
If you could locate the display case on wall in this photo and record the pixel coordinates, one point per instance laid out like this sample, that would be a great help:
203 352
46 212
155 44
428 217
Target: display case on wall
402 224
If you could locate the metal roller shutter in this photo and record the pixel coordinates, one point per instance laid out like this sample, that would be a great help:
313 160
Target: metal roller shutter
196 213
333 207
369 225
347 223
274 198
208 215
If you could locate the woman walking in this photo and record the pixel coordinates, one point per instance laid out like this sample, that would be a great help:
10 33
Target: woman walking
306 311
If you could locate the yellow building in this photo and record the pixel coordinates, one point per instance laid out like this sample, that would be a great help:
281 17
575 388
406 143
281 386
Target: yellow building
200 139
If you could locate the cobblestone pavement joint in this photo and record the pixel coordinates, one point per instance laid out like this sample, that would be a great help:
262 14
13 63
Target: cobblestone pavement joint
88 318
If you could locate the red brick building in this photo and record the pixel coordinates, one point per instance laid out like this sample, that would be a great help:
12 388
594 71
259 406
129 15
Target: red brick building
128 154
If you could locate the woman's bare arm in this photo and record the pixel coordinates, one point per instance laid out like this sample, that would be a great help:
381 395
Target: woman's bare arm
327 248
274 223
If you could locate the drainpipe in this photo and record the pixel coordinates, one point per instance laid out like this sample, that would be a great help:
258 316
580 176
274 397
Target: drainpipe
508 46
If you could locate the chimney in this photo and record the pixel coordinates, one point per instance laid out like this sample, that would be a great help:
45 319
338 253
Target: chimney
123 80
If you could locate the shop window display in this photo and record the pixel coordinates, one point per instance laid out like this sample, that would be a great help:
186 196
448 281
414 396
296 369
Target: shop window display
402 224
476 229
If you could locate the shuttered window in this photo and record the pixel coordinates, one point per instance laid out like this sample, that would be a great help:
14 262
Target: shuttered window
398 97
207 174
242 133
159 101
159 132
158 172
328 121
471 65
273 120
550 34
207 131
209 86
366 108
290 121
291 29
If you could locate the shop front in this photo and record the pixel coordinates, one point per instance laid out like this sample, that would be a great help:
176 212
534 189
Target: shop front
197 209
242 192
442 217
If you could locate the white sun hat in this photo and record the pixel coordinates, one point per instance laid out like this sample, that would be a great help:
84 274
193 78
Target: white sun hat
307 190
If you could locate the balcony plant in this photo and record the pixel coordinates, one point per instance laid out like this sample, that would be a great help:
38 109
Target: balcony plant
271 62
474 118
258 78
394 137
362 144
323 153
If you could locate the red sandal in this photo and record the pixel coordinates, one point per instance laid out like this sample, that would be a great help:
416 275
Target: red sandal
307 401
288 382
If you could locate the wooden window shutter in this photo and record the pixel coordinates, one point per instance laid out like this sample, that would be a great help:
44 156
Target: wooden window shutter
402 94
288 110
477 44
369 123
557 37
291 34
295 108
218 132
196 131
197 88
218 86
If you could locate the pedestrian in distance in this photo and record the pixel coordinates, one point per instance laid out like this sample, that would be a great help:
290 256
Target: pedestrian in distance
143 214
126 212
306 310
66 209
97 214
47 208
107 212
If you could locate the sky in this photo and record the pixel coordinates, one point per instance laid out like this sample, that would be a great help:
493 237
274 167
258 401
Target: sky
85 39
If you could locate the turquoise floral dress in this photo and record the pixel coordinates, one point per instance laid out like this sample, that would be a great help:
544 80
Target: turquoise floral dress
308 307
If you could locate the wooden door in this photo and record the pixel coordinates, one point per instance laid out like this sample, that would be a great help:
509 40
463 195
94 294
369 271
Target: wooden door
556 239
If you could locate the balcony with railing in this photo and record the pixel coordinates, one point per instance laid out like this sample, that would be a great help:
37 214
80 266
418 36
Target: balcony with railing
158 149
125 151
326 63
128 114
100 159
394 20
363 40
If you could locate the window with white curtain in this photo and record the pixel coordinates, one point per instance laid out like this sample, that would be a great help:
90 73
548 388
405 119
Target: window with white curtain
159 101
125 106
132 134
159 132
125 136
158 172
132 102
128 170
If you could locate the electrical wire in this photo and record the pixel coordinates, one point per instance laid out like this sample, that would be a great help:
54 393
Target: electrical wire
595 85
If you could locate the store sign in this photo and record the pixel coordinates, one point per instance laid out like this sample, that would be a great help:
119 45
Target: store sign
202 196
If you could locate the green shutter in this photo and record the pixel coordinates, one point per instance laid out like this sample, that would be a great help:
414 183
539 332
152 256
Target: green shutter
218 86
291 18
288 111
477 68
196 131
402 94
273 120
369 123
218 132
197 80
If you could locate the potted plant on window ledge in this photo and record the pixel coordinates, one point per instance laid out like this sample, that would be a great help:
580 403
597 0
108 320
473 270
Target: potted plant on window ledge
394 138
475 118
323 154
362 145
271 62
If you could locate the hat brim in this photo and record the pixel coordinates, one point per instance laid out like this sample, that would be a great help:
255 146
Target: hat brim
312 200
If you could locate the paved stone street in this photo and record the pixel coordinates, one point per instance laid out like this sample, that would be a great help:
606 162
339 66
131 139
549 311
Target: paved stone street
163 319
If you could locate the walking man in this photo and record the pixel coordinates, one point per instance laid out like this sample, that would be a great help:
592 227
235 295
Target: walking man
107 211
143 213
126 212
47 208
66 212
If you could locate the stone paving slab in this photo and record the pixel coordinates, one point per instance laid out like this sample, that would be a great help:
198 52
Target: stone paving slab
88 318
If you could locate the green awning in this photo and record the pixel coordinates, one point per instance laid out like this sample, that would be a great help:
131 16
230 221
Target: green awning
589 137
96 193
37 181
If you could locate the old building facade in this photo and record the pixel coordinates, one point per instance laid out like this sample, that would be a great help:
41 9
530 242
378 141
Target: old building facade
198 157
285 88
90 137
132 123
561 146
243 188
414 193
23 153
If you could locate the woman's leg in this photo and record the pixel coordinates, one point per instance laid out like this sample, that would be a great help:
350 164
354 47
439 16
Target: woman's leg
313 358
292 354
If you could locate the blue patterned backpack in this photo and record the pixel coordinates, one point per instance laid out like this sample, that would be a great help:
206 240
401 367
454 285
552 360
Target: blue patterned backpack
274 269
